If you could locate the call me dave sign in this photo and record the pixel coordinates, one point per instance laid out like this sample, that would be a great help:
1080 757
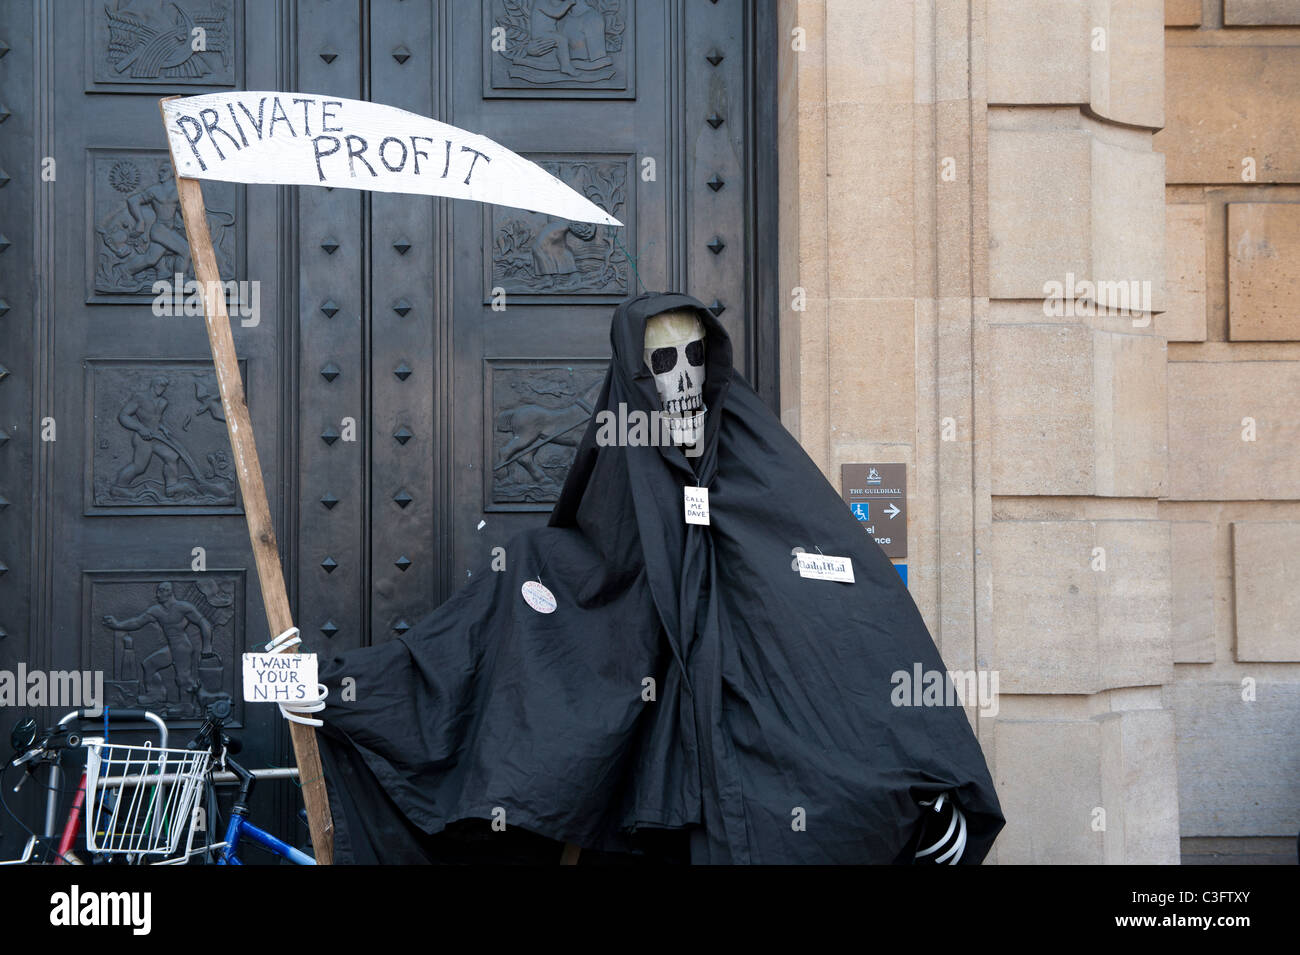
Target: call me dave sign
288 138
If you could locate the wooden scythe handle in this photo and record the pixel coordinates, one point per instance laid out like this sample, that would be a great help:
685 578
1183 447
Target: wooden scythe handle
256 508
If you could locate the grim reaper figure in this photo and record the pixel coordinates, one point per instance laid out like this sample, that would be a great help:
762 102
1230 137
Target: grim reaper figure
647 688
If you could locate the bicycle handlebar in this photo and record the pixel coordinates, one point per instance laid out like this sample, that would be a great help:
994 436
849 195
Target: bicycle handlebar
123 715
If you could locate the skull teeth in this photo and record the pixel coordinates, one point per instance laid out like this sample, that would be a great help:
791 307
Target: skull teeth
683 406
686 430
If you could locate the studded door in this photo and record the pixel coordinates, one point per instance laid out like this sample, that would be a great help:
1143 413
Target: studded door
418 371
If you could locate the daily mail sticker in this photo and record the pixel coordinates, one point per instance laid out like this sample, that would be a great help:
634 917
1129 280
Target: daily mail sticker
538 596
697 505
821 567
279 677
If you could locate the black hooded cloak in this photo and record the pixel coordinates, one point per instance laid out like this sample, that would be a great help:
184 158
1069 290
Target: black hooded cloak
689 678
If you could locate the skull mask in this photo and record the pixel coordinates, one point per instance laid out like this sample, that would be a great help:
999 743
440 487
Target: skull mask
674 351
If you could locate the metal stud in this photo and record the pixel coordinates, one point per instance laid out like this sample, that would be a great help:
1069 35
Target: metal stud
329 436
4 243
329 500
329 628
716 245
329 56
4 178
329 564
715 56
402 563
4 48
401 626
4 372
4 308
402 246
402 371
330 371
401 54
4 112
330 308
402 499
716 182
715 120
717 308
402 435
401 307
330 246
4 502
4 438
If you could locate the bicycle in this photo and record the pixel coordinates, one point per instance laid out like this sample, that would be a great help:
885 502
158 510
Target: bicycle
220 746
138 800
48 750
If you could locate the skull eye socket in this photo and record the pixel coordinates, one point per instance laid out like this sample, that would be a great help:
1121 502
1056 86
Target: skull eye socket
663 360
695 352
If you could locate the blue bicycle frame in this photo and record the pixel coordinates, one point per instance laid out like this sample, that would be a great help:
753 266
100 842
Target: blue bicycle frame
241 828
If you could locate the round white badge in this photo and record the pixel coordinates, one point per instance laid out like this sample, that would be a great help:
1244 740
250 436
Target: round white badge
538 597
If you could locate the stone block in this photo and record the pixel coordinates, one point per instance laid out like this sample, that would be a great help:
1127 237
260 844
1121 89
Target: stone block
1128 77
1049 784
870 232
1131 419
1040 210
1238 762
872 374
1263 271
1076 410
1194 571
1227 104
1042 404
1046 52
1182 13
1139 784
1037 51
1134 603
1184 319
1260 13
1067 208
1265 558
1213 407
1081 606
1128 226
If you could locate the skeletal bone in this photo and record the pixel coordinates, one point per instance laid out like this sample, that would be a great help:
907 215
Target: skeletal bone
674 352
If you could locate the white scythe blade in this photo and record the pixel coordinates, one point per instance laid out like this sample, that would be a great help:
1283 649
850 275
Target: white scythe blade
313 139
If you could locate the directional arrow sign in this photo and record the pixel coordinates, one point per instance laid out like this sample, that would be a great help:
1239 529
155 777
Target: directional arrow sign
877 497
314 139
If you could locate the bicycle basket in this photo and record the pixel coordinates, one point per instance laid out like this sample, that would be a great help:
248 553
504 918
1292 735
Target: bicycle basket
139 798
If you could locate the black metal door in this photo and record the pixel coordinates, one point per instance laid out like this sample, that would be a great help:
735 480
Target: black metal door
405 359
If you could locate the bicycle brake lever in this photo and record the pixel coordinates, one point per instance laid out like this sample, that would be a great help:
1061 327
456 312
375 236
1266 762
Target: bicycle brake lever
23 778
27 756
